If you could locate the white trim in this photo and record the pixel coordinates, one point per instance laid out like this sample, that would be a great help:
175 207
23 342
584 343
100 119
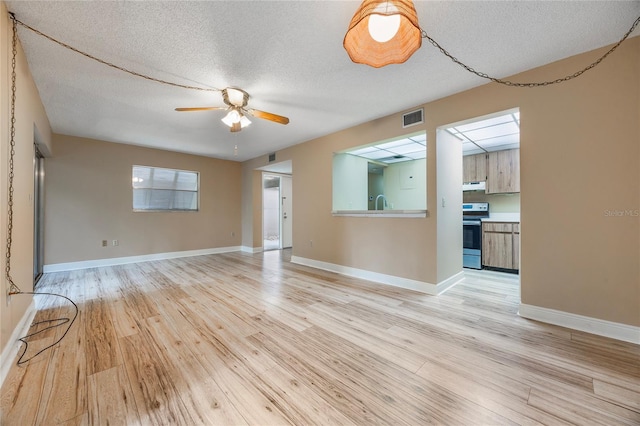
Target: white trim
72 266
447 284
13 345
614 330
393 280
246 249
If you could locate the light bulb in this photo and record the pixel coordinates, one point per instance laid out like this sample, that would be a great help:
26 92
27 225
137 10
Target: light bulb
383 27
236 97
244 121
232 117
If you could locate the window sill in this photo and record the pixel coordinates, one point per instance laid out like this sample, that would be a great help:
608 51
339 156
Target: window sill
380 213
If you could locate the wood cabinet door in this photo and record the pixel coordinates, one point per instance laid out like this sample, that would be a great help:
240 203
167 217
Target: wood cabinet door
503 171
497 249
497 227
474 168
516 250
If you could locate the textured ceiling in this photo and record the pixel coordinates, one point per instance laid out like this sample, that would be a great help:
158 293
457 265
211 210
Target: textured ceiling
287 54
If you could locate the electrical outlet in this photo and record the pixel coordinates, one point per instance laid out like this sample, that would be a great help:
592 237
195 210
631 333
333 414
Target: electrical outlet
233 234
104 243
114 243
310 243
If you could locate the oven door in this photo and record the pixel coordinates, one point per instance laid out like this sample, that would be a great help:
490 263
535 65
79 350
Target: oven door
472 234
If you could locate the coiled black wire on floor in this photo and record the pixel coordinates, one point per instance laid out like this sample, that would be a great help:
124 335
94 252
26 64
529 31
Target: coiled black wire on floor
59 322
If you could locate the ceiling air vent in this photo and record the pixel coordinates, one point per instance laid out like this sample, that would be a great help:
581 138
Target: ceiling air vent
412 118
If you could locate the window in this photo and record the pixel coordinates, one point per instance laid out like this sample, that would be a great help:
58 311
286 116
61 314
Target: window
156 189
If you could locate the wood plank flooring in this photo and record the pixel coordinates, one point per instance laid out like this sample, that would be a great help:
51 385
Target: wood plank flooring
235 339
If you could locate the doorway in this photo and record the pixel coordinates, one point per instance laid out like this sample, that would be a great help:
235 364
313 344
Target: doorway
271 212
277 204
38 214
490 193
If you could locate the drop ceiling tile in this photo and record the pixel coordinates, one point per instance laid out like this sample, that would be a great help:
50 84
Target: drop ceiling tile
417 155
362 151
377 154
485 123
422 138
405 149
501 140
396 160
392 144
493 131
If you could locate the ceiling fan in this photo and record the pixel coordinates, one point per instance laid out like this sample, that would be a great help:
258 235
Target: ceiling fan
237 111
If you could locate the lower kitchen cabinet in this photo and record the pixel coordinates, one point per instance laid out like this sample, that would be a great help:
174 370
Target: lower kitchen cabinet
501 245
516 246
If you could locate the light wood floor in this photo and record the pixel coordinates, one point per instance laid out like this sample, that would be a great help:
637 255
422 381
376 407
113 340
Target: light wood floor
252 339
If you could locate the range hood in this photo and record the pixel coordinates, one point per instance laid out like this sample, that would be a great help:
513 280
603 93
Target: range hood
474 186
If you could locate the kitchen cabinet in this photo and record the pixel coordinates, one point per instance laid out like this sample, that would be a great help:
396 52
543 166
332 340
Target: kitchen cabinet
501 245
516 246
474 168
503 171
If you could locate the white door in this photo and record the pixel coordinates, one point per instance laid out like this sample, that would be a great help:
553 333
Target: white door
286 194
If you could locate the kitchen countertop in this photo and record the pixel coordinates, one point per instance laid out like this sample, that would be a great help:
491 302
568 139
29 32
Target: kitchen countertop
502 217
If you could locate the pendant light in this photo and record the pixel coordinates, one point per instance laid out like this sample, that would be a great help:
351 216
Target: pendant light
383 32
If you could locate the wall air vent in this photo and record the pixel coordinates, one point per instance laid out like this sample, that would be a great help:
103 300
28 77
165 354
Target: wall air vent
272 157
412 118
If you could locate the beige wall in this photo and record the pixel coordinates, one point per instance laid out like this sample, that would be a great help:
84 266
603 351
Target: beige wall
354 242
30 120
89 199
580 157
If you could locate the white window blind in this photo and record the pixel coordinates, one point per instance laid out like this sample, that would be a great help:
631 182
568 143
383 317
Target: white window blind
161 189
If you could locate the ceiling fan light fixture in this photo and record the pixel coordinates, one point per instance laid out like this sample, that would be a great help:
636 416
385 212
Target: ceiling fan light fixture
232 117
244 121
236 119
235 97
372 37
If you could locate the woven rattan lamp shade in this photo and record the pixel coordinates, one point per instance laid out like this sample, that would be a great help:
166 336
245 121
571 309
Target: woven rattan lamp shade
363 49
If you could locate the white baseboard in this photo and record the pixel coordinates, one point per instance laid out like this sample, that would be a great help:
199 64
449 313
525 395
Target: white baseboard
392 280
246 249
445 285
614 330
13 345
72 266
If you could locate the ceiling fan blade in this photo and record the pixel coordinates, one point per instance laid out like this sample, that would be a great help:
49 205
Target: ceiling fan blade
269 116
200 108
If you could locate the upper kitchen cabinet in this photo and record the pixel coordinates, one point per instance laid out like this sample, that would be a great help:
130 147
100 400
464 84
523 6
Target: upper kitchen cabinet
503 171
474 168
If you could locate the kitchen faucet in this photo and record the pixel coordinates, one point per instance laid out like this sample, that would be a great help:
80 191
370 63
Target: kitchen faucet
384 201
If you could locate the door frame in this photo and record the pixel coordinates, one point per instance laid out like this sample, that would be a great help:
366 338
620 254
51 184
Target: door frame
38 214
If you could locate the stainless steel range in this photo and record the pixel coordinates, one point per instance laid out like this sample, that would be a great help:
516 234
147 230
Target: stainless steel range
472 215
